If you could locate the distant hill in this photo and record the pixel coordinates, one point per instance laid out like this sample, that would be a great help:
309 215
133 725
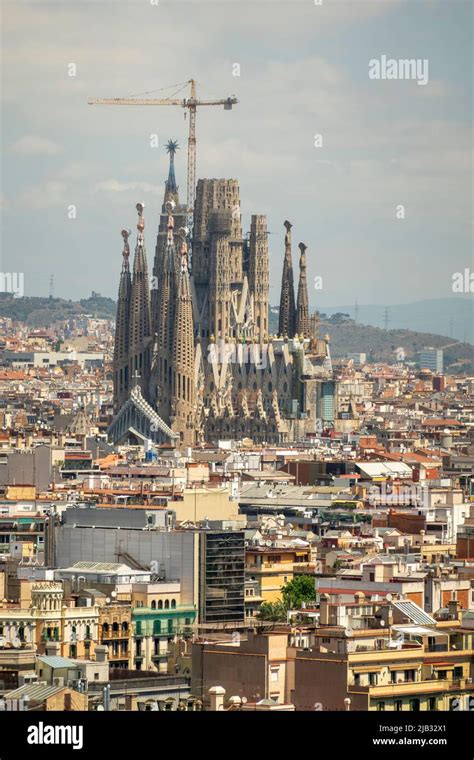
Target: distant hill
380 345
42 312
452 316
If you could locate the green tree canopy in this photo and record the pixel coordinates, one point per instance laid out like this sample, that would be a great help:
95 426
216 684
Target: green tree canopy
275 611
301 589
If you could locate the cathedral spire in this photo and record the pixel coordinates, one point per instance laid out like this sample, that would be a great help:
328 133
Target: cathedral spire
183 396
140 332
286 322
171 188
121 370
302 307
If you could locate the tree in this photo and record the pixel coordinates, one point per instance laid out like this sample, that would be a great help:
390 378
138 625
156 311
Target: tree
275 611
301 589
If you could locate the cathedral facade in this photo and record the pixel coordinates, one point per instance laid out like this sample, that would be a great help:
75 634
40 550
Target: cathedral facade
194 359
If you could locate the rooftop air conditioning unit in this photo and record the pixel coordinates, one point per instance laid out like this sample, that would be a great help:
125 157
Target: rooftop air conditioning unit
58 681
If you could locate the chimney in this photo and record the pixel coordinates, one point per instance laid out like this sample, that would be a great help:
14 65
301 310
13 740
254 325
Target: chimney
324 609
53 648
101 653
454 609
217 694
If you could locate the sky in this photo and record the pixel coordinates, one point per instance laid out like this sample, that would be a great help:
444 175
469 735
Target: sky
384 204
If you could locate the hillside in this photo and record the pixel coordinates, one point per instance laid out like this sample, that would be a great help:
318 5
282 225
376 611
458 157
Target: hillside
380 345
42 312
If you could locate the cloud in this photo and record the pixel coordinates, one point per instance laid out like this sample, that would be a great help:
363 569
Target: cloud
116 186
33 145
49 194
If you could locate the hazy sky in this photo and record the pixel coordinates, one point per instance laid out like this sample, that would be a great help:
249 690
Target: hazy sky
303 71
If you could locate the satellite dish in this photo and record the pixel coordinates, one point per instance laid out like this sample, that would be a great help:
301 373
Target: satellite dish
382 623
113 593
389 597
244 700
107 599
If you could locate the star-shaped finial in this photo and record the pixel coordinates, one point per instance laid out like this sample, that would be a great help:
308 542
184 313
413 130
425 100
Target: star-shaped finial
172 146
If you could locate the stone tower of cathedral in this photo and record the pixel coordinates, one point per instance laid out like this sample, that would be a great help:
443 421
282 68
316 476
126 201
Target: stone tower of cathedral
303 325
287 314
183 388
179 216
259 274
122 326
140 339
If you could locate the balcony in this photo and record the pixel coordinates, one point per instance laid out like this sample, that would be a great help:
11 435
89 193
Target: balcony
115 635
393 690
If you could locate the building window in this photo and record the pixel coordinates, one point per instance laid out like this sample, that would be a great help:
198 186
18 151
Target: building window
173 604
167 604
432 703
380 706
458 673
415 705
398 705
153 605
160 605
373 679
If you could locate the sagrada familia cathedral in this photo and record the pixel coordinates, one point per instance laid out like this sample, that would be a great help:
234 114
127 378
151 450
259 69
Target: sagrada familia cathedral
194 360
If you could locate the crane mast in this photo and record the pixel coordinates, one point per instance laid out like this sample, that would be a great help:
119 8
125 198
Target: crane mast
191 104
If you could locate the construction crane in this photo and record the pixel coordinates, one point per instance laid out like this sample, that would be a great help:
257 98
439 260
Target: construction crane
191 104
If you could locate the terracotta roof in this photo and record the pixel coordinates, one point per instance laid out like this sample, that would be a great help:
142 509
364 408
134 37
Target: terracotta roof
440 422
